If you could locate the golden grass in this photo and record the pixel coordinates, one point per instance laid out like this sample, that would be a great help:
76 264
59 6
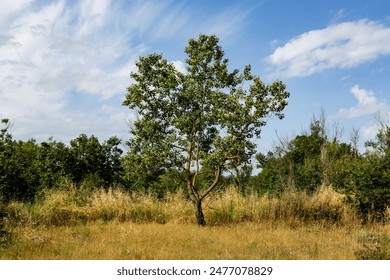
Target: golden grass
72 207
294 208
114 240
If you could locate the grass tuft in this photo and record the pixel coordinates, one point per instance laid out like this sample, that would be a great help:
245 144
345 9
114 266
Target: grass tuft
373 246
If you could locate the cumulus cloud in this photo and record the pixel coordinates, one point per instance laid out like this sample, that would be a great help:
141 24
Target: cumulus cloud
364 113
342 45
367 104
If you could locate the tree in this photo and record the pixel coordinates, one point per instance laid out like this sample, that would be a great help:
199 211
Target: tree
381 144
307 162
19 168
371 177
199 122
240 176
88 159
26 168
294 163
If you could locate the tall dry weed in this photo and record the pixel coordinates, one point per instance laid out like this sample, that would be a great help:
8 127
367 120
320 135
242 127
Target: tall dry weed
59 207
74 206
292 207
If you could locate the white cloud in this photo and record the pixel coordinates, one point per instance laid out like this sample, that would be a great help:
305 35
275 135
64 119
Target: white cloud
180 66
8 10
364 113
53 54
53 50
364 97
226 23
172 23
338 16
342 45
367 104
369 131
144 15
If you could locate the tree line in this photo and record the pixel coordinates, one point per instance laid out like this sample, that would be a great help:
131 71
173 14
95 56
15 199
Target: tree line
28 167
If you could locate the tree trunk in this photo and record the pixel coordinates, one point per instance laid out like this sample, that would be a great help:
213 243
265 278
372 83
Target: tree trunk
199 213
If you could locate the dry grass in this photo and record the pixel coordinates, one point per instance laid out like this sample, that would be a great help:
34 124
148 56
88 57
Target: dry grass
111 224
149 241
325 207
72 207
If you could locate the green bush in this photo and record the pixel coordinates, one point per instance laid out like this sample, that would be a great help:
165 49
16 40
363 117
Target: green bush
372 178
372 188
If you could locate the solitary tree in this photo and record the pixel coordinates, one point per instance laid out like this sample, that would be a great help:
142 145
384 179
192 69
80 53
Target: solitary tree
201 121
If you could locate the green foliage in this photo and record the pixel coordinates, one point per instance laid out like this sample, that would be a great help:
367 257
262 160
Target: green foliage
373 187
306 162
368 182
89 160
241 176
28 168
170 182
200 122
52 157
273 176
309 161
296 164
338 161
140 175
381 145
20 169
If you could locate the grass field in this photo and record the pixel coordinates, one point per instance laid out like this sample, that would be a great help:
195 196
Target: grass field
113 240
114 225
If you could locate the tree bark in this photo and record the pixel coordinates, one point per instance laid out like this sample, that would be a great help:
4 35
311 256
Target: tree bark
199 213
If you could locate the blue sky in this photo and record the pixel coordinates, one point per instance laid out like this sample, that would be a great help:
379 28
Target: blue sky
64 65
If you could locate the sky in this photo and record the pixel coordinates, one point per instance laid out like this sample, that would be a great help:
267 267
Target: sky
65 65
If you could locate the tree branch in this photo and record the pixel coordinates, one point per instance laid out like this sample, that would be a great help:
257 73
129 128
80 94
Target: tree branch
194 195
218 173
179 148
196 165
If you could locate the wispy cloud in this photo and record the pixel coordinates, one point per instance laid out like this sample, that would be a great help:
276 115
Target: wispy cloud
226 23
342 45
338 16
54 53
52 50
10 8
